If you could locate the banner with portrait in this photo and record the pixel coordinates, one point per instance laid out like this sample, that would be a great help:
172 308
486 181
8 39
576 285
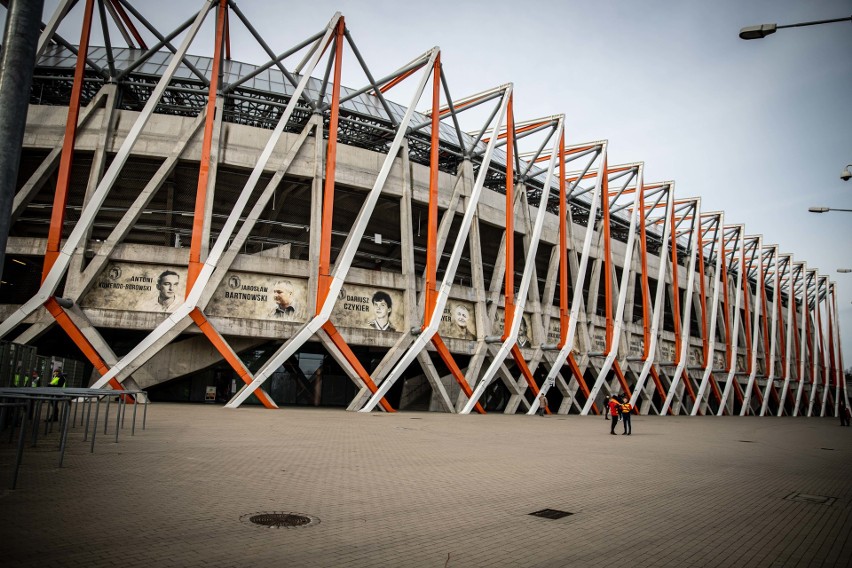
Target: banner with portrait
366 307
524 339
137 287
458 320
260 296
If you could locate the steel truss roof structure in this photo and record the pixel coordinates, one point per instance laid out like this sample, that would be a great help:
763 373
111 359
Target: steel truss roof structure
646 294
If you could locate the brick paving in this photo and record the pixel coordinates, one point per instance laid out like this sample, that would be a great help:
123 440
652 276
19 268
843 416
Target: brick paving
429 489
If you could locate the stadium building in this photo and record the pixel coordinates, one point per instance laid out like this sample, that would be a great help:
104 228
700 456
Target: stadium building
213 230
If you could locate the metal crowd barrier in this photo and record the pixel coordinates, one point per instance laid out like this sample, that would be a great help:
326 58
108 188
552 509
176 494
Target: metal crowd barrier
24 402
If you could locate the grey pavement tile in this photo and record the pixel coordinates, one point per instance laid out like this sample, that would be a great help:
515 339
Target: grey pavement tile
391 491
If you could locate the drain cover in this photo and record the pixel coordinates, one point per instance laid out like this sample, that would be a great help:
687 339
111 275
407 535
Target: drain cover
279 520
815 499
551 514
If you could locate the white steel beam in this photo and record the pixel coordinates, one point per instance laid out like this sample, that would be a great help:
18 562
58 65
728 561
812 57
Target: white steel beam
755 336
769 366
347 253
711 347
686 321
788 327
735 326
577 300
529 267
659 305
618 324
803 338
212 261
90 211
431 328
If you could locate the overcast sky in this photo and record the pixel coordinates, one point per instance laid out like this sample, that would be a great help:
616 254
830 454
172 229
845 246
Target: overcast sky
760 129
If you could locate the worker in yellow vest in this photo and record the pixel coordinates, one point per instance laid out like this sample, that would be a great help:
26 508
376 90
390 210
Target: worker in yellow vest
58 381
626 411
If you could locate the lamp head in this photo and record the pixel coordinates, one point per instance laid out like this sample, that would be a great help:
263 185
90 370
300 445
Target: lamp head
846 175
818 209
757 32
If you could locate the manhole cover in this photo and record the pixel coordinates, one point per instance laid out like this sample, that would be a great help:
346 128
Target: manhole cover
829 449
815 499
551 514
279 520
746 441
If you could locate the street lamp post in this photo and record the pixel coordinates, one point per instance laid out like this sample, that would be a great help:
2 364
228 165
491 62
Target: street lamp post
758 32
827 209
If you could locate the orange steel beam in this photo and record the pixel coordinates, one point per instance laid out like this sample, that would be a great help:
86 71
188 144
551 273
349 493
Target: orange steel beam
525 371
590 175
767 364
688 384
820 354
350 357
397 80
578 375
451 364
227 353
833 366
705 345
796 336
516 131
747 317
727 315
562 153
63 177
128 23
675 290
195 246
80 340
431 290
324 276
457 106
659 386
607 262
509 276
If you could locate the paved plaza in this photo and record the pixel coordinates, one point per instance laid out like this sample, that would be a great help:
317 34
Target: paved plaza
429 489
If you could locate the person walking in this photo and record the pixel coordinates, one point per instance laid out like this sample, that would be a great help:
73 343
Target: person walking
542 404
626 410
614 411
843 411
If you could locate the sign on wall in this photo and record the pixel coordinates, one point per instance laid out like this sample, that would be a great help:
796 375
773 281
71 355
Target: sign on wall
458 321
260 296
369 308
137 287
524 339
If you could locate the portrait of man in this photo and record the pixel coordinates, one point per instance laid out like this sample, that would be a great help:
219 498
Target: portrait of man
283 294
523 338
461 318
167 288
382 308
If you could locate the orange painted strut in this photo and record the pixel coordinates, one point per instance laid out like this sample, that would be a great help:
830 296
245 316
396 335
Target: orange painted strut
447 357
80 340
63 177
338 341
324 276
204 167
